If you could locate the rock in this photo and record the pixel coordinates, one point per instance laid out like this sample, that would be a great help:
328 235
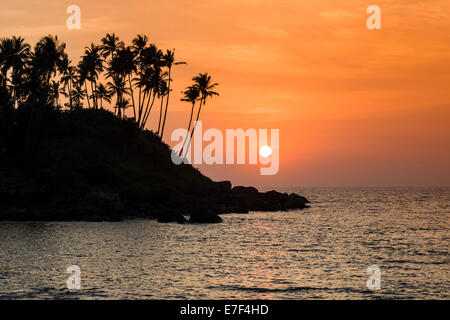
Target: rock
245 191
294 201
204 216
172 216
224 186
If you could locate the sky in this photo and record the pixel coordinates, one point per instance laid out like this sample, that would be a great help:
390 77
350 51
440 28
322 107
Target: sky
354 107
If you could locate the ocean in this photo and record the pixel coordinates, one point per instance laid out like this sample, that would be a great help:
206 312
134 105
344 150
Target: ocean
319 253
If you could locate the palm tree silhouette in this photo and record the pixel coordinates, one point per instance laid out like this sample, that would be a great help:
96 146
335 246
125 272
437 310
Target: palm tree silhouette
48 55
103 93
14 54
163 91
68 77
169 61
78 95
205 86
117 87
190 95
93 63
34 79
110 44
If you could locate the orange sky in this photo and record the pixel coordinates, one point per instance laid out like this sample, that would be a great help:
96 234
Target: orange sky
355 107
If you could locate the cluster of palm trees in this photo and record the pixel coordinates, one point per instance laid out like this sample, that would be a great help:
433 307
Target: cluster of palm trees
137 77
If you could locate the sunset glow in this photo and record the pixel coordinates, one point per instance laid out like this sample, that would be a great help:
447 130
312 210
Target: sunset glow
354 106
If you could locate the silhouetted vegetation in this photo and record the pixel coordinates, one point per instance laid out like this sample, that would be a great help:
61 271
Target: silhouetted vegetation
34 80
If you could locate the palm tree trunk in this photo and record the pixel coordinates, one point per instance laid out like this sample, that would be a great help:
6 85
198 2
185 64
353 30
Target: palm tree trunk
70 94
189 128
87 94
132 95
160 115
141 108
93 95
144 121
193 129
167 105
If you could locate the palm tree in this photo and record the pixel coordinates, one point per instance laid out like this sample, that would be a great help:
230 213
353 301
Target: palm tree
55 90
139 44
205 86
110 45
163 91
103 93
78 95
117 87
14 53
169 61
48 55
93 63
123 104
154 86
150 62
68 77
190 95
83 73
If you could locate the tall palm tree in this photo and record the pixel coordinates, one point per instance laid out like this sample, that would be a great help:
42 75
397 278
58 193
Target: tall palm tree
150 63
93 63
154 86
103 93
139 44
169 61
117 87
205 86
48 55
14 53
68 77
83 75
163 91
190 95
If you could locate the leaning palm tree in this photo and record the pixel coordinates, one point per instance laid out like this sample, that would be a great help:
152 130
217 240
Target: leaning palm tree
162 92
169 61
205 86
154 86
150 62
190 95
103 93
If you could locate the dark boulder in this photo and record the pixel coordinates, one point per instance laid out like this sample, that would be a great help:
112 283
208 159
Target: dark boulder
204 216
172 216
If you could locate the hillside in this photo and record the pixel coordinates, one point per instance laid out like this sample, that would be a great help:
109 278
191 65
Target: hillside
90 165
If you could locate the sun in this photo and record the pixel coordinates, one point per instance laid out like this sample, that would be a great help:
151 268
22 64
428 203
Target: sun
265 151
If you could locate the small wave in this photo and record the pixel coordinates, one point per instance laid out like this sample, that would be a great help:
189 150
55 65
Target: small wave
288 289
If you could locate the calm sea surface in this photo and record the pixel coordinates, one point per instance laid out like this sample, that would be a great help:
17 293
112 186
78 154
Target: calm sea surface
318 253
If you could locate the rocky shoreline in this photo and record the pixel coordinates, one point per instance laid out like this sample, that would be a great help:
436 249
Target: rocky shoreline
91 166
98 205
